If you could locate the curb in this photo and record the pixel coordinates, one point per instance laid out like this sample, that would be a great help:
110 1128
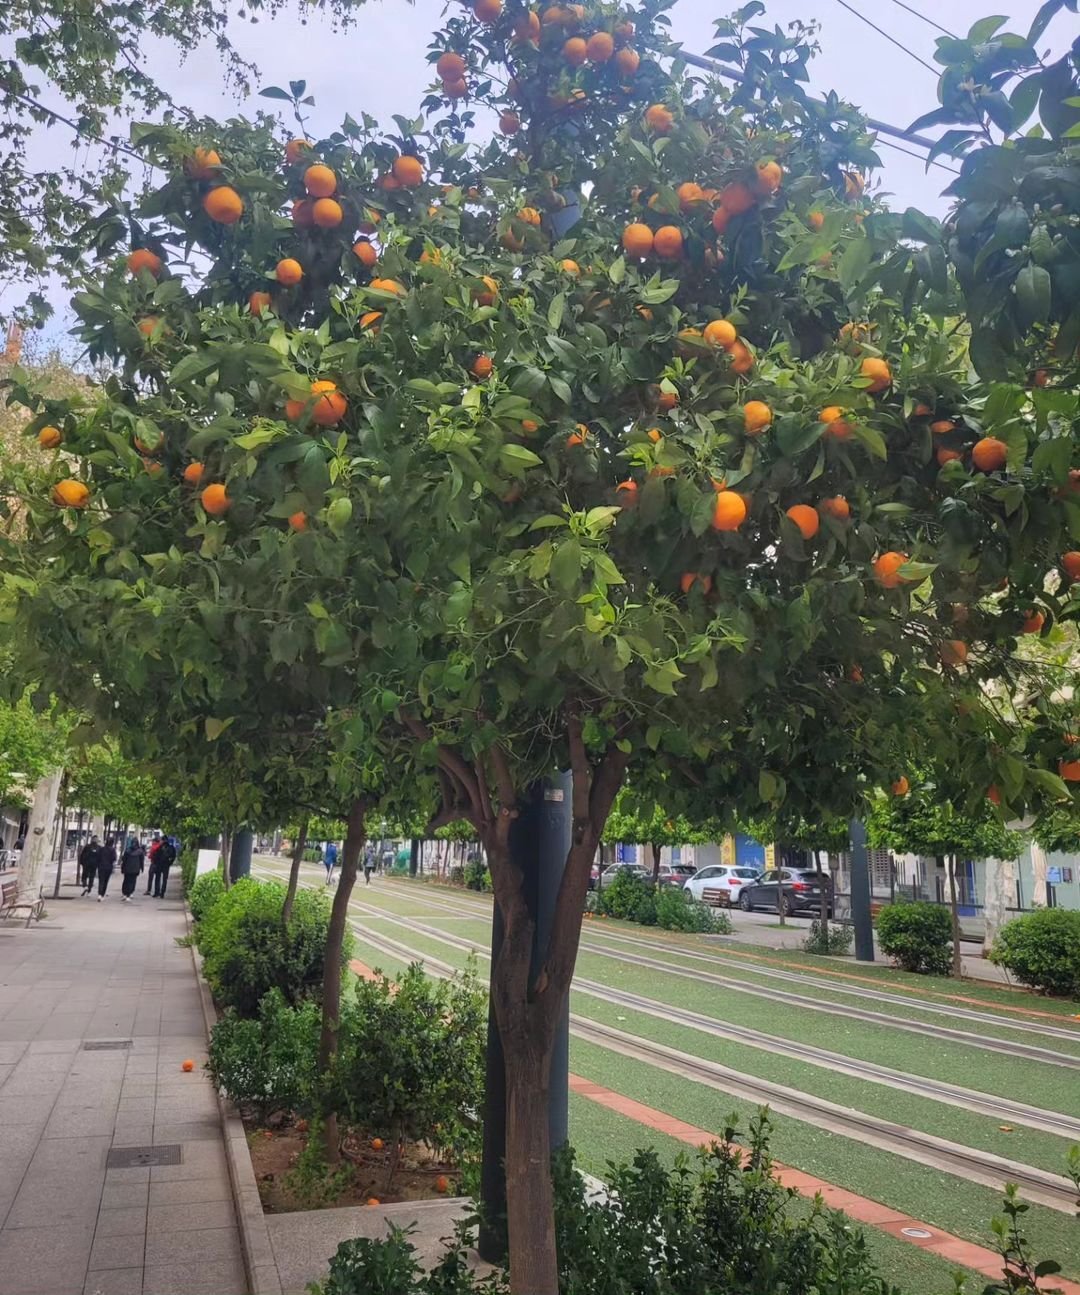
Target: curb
259 1264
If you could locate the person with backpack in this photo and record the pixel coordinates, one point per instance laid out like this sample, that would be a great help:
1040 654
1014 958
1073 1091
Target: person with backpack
131 864
89 862
106 864
152 871
166 857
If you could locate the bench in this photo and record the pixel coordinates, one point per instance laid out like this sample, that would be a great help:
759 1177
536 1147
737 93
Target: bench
716 896
10 904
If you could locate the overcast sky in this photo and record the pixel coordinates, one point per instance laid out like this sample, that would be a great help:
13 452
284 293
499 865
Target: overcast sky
379 65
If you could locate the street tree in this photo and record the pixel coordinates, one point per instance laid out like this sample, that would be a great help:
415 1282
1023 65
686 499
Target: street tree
610 443
641 821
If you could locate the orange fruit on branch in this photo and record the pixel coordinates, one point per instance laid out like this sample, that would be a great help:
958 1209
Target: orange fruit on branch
486 296
569 267
450 66
878 372
901 786
487 11
203 164
628 61
215 499
659 119
456 89
720 219
258 302
816 220
320 181
1069 770
626 492
482 367
689 193
509 123
887 569
408 170
442 1184
806 519
954 652
770 176
942 426
369 320
49 438
365 253
729 511
993 795
327 213
193 474
143 259
756 417
637 239
945 455
668 243
70 494
600 46
527 27
575 51
288 272
690 578
303 210
741 359
390 285
720 332
223 205
1033 622
737 198
578 437
529 216
989 454
1070 564
148 323
295 150
330 405
667 400
837 508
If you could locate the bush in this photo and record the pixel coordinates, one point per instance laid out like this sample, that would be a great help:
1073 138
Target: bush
630 898
918 937
476 875
1042 949
246 953
313 854
189 858
204 893
676 910
830 941
270 1063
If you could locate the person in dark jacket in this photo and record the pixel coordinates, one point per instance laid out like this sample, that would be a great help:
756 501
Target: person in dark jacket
163 861
131 864
106 864
152 871
89 861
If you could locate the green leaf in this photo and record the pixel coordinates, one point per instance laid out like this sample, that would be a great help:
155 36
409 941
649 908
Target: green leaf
662 677
555 311
517 458
318 611
566 565
276 92
855 262
653 735
872 439
1033 293
617 273
767 786
215 727
547 522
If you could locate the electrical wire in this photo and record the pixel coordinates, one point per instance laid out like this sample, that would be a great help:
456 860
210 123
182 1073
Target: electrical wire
929 21
81 131
891 39
918 156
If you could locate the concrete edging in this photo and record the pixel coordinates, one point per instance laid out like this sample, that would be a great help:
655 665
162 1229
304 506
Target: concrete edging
259 1264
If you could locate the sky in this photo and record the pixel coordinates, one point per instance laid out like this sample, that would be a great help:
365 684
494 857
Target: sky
379 65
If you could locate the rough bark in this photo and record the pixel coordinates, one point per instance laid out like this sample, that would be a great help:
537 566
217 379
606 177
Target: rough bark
39 837
294 874
61 838
1000 893
335 940
655 863
954 911
414 856
226 856
530 1212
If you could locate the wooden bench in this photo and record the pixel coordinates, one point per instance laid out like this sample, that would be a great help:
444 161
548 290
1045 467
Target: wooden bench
10 904
717 896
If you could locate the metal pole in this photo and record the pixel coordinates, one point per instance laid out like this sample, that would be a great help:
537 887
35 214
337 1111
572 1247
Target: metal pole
240 853
860 894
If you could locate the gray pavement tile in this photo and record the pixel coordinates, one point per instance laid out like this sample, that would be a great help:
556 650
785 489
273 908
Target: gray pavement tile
36 1205
116 1196
136 1174
131 1134
11 1052
114 1281
195 1279
124 1251
72 1124
205 1130
191 1191
189 1218
208 1243
121 1222
39 1260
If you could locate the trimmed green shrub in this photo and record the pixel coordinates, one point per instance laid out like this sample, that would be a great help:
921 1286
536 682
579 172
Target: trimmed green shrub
269 1063
246 953
204 893
676 910
628 897
1042 949
918 937
831 941
476 875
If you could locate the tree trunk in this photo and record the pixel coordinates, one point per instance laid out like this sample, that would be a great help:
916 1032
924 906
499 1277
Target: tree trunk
62 838
530 1205
226 852
335 939
1039 894
957 966
294 874
39 837
1000 893
655 863
414 856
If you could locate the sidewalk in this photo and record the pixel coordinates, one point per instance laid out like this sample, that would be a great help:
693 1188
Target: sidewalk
71 1221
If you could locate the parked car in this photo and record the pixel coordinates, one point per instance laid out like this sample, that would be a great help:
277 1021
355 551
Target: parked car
675 874
609 874
803 888
721 876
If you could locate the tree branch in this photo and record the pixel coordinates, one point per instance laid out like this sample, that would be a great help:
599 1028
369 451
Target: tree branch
450 760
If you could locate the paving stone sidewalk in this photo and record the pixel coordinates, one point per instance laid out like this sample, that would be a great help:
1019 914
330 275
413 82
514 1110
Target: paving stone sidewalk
70 1224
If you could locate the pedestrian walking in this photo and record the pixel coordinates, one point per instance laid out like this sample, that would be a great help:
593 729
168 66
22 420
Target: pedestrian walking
89 861
131 864
106 864
152 856
166 857
329 860
369 865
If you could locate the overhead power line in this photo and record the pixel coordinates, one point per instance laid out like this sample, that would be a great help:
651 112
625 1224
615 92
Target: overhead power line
929 21
891 39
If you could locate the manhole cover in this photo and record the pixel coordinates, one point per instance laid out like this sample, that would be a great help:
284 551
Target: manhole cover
106 1045
138 1157
919 1234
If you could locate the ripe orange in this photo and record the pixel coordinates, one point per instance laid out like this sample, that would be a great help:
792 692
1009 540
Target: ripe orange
320 181
756 417
689 578
945 455
736 198
806 519
487 11
1070 564
408 170
215 499
993 795
365 253
839 429
330 405
901 786
326 213
942 426
1033 622
289 272
720 218
529 426
954 652
741 359
1040 378
878 372
626 493
666 401
600 47
372 1200
390 285
303 213
837 508
258 302
203 164
482 367
624 31
187 1066
628 61
668 243
376 1144
1069 770
70 494
659 119
223 205
49 438
148 323
193 474
816 219
989 454
529 216
719 332
143 259
575 51
370 320
569 267
486 296
655 435
295 150
450 66
637 239
509 123
770 176
921 411
578 437
527 27
729 511
442 1184
830 414
456 89
689 193
887 568
855 673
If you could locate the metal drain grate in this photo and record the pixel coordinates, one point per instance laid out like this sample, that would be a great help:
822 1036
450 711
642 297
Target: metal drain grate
106 1045
139 1157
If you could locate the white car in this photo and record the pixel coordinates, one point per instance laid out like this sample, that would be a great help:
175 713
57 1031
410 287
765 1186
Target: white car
721 876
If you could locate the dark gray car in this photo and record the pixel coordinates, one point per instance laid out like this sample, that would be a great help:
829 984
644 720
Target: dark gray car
803 889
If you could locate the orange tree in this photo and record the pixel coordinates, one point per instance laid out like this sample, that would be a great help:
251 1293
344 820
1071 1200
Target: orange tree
388 437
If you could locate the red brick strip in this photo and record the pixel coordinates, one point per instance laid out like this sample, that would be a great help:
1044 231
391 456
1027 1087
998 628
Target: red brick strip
952 1249
362 970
